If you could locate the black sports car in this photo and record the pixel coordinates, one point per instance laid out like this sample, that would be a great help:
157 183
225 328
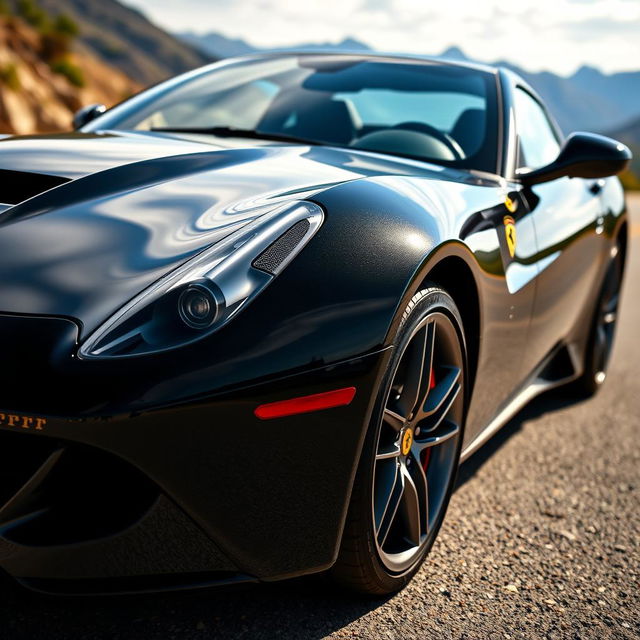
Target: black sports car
252 319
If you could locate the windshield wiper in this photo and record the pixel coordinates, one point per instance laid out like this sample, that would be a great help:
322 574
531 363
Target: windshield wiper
233 132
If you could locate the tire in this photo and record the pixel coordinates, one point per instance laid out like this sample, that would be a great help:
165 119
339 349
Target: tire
411 454
603 327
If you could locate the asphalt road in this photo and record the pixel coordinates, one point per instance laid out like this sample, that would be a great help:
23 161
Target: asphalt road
541 541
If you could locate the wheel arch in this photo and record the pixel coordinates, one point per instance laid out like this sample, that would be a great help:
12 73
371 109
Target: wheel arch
455 276
452 267
385 219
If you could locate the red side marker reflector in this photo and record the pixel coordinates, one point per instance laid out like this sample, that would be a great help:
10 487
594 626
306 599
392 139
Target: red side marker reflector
306 404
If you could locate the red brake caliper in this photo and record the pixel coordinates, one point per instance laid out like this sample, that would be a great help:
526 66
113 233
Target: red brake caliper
426 454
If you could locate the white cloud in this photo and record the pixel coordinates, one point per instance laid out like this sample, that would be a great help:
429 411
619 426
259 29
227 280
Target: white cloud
559 35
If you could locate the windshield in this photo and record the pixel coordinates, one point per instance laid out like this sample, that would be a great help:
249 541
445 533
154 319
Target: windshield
437 112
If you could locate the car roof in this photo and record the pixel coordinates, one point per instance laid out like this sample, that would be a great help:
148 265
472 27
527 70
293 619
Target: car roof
372 55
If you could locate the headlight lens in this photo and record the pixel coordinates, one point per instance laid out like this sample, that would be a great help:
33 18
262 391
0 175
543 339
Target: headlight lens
197 306
207 291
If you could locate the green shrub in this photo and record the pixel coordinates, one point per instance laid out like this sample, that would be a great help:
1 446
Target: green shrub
32 13
64 25
70 71
9 76
56 37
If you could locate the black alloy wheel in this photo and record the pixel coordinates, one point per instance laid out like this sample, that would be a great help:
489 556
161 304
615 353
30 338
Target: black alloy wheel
603 328
409 463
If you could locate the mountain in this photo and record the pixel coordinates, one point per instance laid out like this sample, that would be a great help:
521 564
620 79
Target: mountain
580 105
218 46
40 95
628 133
622 88
123 37
587 100
454 53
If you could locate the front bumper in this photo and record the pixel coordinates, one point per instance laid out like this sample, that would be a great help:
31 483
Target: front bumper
201 492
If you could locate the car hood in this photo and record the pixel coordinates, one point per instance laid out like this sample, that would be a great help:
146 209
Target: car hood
125 209
74 155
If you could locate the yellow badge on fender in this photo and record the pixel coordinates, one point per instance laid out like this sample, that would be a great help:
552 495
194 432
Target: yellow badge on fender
512 205
510 233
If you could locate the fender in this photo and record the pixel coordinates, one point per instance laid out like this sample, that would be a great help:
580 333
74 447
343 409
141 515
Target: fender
417 230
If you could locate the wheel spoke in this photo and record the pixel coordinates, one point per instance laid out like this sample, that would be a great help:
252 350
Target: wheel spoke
440 398
389 507
417 370
611 305
422 486
393 452
600 348
608 330
394 420
446 431
427 367
411 508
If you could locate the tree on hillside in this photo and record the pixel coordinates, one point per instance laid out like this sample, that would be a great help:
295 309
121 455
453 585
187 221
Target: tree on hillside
56 36
32 13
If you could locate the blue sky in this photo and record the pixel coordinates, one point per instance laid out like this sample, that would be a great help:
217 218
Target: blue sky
559 35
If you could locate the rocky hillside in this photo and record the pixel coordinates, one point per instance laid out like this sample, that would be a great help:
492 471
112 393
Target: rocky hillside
123 37
44 79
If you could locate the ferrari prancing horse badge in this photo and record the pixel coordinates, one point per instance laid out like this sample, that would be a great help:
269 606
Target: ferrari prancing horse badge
510 233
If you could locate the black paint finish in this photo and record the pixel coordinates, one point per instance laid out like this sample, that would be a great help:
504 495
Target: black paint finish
269 498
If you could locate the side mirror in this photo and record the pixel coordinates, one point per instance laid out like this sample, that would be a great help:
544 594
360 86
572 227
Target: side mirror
87 114
583 155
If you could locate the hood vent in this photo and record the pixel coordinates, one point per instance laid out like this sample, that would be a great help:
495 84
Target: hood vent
272 258
18 186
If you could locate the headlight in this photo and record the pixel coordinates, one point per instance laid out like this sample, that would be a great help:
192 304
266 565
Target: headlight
203 294
198 307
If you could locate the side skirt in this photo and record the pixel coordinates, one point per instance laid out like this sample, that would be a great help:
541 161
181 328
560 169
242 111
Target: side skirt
561 366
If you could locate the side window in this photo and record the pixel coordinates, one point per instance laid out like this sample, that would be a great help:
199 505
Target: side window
538 142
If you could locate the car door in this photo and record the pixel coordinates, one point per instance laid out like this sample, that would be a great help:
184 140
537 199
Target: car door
567 215
503 246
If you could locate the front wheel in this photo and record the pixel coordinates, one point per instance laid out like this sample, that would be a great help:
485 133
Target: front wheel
411 455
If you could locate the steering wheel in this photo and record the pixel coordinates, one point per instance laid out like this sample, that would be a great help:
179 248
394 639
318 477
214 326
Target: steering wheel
423 127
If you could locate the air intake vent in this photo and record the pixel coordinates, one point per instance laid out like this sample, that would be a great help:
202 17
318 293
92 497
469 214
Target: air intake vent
18 186
272 258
